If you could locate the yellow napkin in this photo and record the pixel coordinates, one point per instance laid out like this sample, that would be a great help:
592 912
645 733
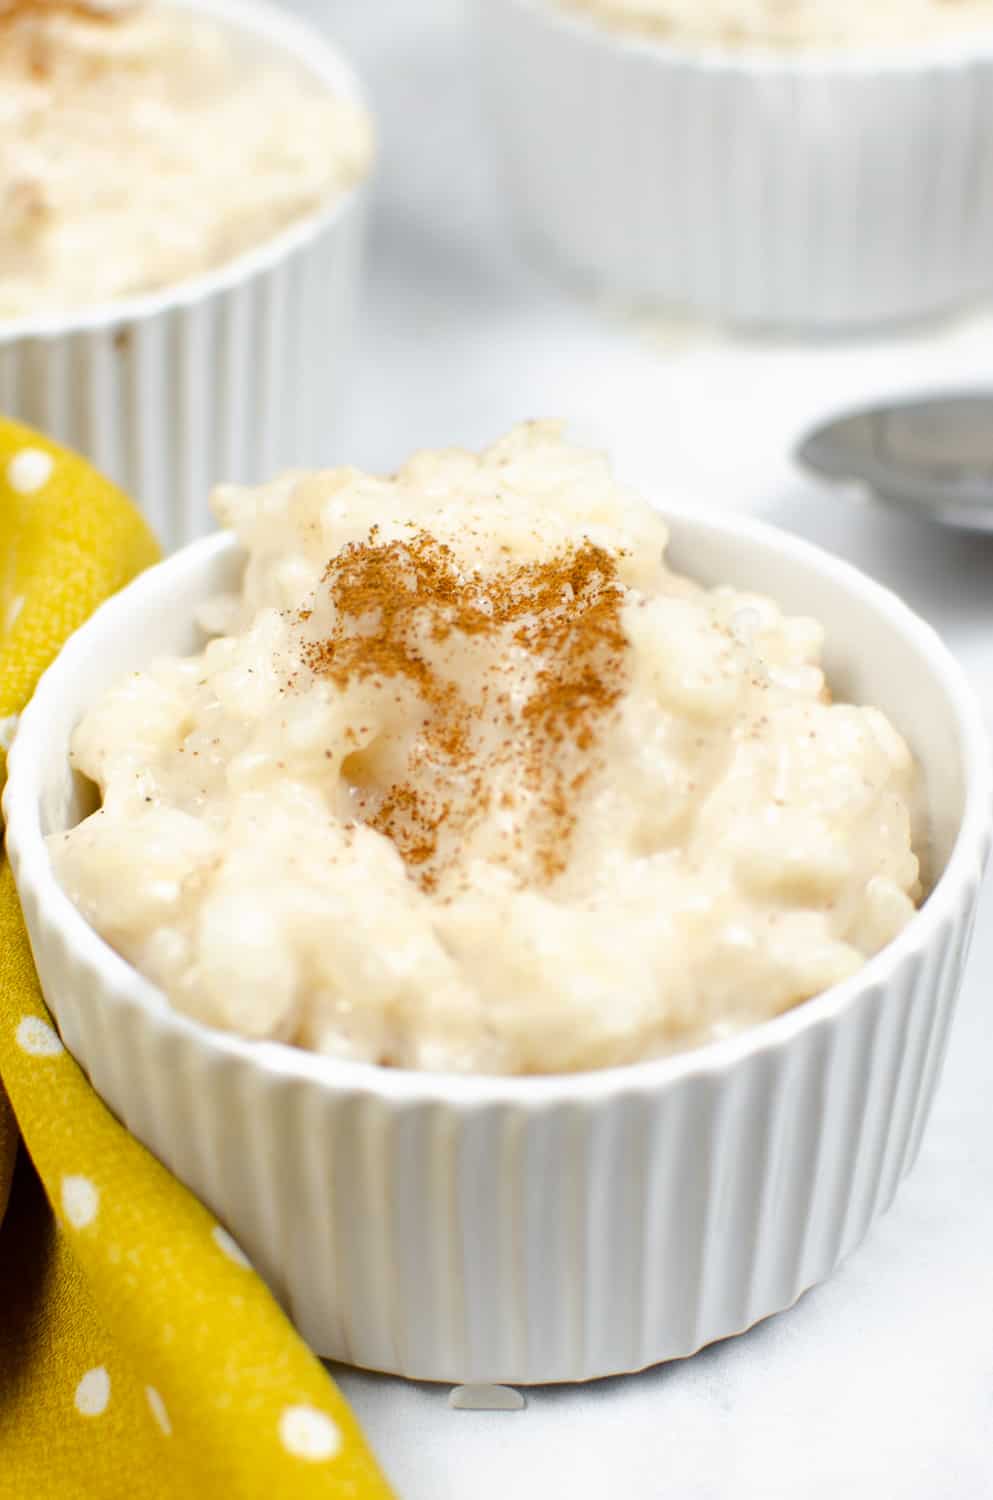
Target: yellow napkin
140 1356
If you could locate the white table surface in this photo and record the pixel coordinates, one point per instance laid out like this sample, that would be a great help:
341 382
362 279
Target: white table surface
879 1385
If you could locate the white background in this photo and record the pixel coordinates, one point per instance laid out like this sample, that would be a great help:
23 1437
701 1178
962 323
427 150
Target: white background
878 1386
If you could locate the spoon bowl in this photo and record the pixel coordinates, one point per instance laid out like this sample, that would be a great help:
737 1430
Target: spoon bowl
929 456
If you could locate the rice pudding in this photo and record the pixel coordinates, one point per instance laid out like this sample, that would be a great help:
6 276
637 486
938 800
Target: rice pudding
793 23
466 778
142 145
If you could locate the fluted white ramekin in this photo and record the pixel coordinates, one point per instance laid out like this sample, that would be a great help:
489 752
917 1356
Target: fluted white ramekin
532 1230
230 375
796 190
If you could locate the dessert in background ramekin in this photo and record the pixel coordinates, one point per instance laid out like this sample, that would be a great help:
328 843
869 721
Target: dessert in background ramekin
144 145
177 280
533 1229
802 24
794 186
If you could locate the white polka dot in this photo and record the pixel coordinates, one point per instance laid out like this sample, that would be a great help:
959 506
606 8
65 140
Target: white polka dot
158 1408
93 1393
37 1038
230 1247
13 615
29 471
308 1433
80 1201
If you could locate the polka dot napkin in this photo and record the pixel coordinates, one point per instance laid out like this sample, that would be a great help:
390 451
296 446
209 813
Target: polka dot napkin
140 1355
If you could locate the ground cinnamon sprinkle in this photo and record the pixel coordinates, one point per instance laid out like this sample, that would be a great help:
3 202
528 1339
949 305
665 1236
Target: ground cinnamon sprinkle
24 20
406 612
89 10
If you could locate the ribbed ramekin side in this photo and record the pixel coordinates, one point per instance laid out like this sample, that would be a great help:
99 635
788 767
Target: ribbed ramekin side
232 387
451 1241
806 193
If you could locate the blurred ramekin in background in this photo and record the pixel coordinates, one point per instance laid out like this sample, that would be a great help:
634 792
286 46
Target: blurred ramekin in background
535 1229
229 375
800 190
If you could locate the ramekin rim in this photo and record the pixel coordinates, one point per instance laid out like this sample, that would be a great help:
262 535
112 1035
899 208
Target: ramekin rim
312 49
938 56
124 985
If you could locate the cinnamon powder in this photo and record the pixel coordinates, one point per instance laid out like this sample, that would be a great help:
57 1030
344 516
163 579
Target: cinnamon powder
29 16
401 611
90 10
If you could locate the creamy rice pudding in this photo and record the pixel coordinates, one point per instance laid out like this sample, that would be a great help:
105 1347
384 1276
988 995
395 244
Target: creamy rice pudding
141 144
793 23
467 778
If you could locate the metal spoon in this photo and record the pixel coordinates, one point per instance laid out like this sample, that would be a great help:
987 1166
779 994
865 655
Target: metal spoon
931 456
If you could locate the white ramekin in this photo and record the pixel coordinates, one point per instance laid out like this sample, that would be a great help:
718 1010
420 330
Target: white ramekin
813 190
229 376
532 1230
